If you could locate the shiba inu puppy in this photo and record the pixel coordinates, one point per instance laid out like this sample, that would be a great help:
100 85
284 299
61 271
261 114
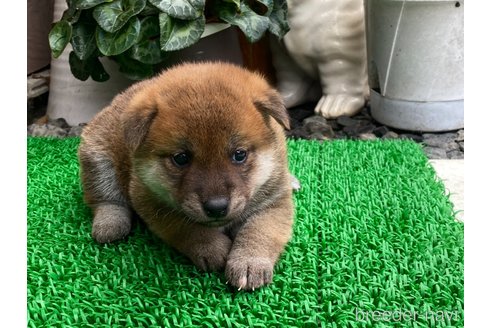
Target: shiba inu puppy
199 153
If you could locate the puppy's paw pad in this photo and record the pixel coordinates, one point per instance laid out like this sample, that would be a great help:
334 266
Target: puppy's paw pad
249 273
111 223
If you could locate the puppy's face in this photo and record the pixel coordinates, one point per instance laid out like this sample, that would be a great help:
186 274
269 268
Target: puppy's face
210 148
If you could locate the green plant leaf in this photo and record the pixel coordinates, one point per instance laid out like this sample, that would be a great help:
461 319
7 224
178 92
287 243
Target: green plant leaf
133 69
84 36
71 14
92 67
112 16
150 10
279 24
252 24
147 49
182 9
111 44
98 72
86 4
79 68
59 37
177 34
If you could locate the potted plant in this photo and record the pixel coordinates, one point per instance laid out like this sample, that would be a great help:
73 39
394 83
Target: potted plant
139 35
120 41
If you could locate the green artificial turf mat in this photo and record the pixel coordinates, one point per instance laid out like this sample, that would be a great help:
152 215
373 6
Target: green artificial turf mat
374 231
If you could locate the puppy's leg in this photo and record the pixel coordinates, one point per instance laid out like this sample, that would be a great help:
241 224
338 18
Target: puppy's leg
111 222
103 193
206 247
258 245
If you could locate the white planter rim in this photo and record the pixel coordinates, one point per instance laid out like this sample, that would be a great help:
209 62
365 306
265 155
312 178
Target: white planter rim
424 116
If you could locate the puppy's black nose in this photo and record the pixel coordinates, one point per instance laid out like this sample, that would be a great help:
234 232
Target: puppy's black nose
216 207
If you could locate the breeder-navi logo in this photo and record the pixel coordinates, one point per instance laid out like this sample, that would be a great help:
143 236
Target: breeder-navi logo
401 315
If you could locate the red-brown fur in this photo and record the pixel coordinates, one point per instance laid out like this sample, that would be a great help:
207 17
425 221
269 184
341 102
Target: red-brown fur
208 110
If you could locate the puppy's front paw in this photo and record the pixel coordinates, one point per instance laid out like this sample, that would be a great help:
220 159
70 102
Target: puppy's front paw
248 273
111 223
212 255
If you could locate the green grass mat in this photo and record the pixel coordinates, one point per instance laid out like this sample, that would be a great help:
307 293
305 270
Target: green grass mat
375 244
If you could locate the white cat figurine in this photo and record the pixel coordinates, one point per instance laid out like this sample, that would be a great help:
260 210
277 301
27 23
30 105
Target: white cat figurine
327 41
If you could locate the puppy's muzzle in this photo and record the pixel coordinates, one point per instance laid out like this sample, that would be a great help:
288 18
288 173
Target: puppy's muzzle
216 207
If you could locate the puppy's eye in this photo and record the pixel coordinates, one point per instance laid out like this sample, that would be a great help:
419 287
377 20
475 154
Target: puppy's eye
239 156
181 159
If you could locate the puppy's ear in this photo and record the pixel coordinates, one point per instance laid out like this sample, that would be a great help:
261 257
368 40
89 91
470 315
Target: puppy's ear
271 103
137 119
